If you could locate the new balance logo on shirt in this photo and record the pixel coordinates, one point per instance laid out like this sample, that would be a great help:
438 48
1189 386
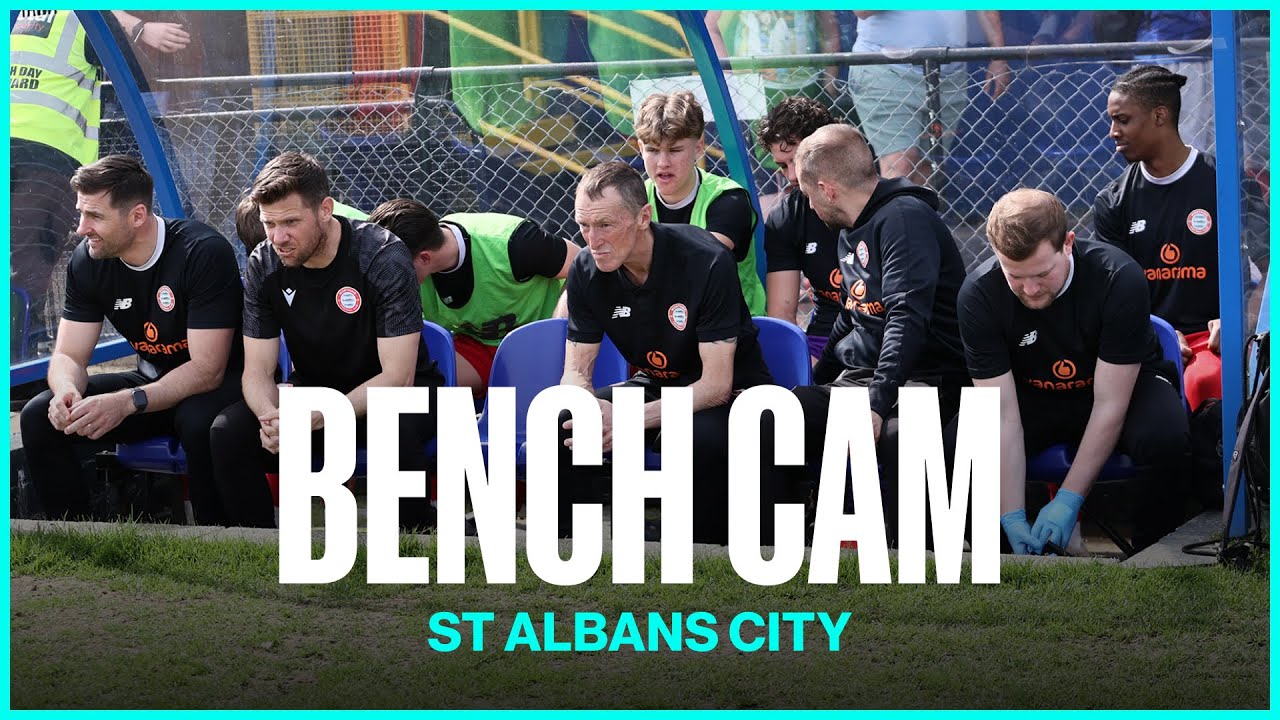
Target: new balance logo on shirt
622 311
1028 339
288 296
1137 227
122 304
810 248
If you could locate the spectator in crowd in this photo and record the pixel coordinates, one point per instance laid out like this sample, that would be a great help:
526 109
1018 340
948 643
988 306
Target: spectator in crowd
172 289
344 296
796 240
1062 328
891 99
683 322
481 276
1046 27
900 272
761 33
1196 118
669 130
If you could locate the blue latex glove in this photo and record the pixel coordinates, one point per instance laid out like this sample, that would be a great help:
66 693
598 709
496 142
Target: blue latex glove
1019 533
1056 521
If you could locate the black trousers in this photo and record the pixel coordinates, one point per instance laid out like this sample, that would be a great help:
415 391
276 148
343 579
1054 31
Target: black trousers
1156 434
54 467
41 213
816 400
241 465
710 470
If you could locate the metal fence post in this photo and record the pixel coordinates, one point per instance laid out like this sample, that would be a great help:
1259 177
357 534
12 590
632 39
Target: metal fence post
1230 277
135 109
730 131
933 104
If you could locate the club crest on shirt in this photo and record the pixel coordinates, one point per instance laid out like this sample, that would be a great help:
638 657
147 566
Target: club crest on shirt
165 299
864 256
678 314
1199 221
348 299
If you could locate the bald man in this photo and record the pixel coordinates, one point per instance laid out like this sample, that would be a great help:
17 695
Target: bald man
901 273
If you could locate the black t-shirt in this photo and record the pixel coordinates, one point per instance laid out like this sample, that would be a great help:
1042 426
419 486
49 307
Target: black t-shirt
1102 315
333 316
191 282
531 252
795 238
1170 226
730 214
691 296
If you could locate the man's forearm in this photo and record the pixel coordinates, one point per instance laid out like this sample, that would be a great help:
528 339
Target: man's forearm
991 27
189 378
66 374
359 397
260 392
1100 437
1013 468
705 395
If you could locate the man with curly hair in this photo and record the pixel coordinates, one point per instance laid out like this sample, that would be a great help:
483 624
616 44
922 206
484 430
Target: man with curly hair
796 241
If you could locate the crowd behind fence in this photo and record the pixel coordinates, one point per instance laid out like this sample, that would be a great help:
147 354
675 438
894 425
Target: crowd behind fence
399 132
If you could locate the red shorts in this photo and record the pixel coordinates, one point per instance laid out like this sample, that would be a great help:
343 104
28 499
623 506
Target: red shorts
478 354
1202 377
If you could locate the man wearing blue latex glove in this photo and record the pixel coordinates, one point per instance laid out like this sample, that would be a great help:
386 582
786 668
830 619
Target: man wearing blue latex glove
1063 329
1021 538
1057 519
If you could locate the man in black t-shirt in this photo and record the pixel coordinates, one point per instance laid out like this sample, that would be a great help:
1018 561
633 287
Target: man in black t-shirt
668 297
795 238
1163 212
344 295
900 273
172 289
1063 329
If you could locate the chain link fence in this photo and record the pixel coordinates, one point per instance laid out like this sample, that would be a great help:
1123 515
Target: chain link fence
515 138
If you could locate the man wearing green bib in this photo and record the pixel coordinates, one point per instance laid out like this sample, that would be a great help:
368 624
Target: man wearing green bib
669 129
482 275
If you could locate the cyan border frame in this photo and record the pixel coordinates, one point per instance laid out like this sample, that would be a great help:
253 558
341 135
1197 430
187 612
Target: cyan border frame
718 4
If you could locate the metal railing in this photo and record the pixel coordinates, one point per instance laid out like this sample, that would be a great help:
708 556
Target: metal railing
519 146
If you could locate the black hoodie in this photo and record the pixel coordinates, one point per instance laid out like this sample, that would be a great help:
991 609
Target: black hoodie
902 273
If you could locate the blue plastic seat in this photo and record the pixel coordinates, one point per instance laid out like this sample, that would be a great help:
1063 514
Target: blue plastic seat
164 454
19 298
786 354
531 359
1051 465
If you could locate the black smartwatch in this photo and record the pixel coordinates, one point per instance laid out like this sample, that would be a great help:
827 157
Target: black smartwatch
140 400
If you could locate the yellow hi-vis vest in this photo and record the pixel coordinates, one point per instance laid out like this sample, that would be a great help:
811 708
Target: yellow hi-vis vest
53 90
